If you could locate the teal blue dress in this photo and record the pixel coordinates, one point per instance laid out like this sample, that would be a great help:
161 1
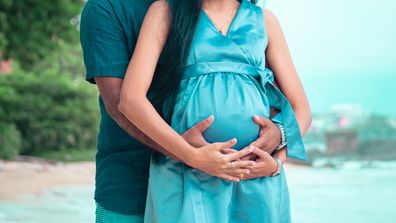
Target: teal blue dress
225 76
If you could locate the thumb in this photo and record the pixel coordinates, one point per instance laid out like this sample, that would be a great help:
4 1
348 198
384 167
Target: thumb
228 151
263 155
204 124
261 120
228 144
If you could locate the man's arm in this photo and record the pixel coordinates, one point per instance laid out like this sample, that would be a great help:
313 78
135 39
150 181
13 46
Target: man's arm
110 88
106 57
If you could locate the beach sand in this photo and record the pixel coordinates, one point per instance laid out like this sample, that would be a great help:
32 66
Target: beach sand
19 178
28 176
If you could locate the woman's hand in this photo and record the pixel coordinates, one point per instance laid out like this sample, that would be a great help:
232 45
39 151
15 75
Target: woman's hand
265 165
215 160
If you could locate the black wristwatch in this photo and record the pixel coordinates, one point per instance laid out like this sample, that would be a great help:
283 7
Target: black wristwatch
278 168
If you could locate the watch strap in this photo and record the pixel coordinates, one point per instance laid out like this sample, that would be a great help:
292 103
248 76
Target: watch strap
283 137
279 166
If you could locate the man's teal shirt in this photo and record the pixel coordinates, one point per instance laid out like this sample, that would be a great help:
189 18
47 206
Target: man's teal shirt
109 31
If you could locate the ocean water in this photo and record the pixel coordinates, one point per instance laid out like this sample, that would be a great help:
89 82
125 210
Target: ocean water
350 194
318 195
56 205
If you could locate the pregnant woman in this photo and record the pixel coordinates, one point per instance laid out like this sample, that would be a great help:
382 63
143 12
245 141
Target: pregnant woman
207 58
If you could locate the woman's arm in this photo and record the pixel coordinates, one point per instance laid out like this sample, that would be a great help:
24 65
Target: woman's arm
138 109
280 61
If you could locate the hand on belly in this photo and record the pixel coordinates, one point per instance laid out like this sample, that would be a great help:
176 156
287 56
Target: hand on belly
237 126
232 100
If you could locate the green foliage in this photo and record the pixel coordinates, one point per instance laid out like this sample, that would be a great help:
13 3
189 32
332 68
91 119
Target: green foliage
31 29
46 107
10 141
67 60
51 111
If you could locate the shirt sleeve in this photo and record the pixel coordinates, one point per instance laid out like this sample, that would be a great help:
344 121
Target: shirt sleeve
103 40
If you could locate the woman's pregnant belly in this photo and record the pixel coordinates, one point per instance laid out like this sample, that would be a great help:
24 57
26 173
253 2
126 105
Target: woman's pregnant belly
232 99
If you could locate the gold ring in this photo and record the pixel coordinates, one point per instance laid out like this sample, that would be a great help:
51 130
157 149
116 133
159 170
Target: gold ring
241 176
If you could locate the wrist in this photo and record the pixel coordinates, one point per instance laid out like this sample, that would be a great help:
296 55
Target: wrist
283 141
278 165
282 154
189 157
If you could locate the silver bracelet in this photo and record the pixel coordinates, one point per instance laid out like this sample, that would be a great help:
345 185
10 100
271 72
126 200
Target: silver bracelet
283 137
278 168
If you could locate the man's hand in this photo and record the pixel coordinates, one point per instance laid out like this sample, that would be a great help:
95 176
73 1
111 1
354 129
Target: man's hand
269 137
194 134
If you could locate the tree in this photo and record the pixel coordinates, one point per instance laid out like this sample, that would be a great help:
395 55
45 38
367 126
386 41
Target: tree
31 29
49 112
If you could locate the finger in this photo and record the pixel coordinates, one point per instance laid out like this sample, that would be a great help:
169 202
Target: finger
238 172
261 120
251 156
204 124
228 150
244 164
264 144
247 157
224 145
262 154
259 142
229 178
239 154
250 176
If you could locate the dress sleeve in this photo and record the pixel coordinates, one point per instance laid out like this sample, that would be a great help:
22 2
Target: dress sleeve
295 144
103 40
286 117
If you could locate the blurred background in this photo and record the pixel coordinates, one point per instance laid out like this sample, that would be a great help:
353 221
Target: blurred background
345 53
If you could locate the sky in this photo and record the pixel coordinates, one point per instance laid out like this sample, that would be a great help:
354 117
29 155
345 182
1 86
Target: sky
344 51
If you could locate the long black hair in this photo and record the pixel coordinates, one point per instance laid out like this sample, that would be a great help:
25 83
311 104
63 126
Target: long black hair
167 77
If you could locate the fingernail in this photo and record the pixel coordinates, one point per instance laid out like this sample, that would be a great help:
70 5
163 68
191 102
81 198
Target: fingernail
255 116
252 148
211 117
247 172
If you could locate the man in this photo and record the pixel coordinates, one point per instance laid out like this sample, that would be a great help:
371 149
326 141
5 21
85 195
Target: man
109 31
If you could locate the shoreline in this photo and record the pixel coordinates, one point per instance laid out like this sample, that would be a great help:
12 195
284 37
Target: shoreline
33 176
